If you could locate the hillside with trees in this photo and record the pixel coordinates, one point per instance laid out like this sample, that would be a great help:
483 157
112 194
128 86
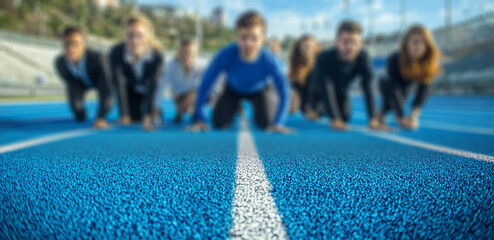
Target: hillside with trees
48 17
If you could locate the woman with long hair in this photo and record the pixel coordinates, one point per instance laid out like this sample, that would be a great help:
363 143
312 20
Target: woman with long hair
301 63
416 63
136 65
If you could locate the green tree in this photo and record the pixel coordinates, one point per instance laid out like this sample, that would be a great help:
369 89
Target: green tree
8 21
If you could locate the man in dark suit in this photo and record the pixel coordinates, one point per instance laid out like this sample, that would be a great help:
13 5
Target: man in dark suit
83 69
337 68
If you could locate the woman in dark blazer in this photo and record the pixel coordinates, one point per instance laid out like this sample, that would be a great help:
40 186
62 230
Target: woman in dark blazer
136 65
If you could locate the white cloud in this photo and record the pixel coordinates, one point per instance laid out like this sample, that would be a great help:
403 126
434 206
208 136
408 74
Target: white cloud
321 24
289 21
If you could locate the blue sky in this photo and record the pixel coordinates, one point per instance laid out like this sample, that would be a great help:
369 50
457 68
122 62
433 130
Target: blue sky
320 17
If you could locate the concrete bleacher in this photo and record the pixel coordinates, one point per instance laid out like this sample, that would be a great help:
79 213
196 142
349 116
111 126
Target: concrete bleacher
468 49
471 73
452 40
26 59
473 32
22 64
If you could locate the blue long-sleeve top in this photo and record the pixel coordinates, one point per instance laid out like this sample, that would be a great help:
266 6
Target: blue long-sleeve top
244 78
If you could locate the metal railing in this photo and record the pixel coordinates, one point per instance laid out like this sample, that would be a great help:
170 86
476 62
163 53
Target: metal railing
465 35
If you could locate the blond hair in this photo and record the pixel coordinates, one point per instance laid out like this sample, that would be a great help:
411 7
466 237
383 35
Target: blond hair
137 18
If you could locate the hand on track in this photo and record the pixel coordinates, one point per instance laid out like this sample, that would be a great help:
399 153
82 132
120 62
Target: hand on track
280 129
198 127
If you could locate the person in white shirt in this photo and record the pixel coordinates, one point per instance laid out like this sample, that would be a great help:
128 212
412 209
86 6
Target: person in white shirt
182 76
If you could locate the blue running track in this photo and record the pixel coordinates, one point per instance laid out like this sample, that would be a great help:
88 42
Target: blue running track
124 183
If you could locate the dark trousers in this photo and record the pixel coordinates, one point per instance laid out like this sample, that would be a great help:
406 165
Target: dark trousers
184 103
386 92
309 98
393 97
76 92
302 92
343 104
229 102
136 101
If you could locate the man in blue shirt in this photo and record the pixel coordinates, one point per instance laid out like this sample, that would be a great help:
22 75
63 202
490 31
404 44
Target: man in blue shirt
247 66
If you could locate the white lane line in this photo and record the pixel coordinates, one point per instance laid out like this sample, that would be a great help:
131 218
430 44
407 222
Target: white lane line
434 112
38 120
419 144
254 211
473 106
31 103
430 146
43 140
456 128
61 112
447 126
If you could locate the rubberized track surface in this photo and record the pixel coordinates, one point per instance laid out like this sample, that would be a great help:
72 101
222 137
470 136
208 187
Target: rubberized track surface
125 183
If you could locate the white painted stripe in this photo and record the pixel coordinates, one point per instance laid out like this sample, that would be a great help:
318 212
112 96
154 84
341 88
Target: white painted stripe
456 128
43 140
434 112
447 126
36 103
31 103
431 146
254 211
38 120
479 116
456 107
417 143
61 112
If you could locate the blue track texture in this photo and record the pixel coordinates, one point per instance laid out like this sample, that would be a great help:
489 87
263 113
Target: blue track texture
356 187
125 183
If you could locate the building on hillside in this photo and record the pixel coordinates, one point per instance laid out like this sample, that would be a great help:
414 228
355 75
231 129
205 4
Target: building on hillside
106 3
218 17
164 10
10 5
